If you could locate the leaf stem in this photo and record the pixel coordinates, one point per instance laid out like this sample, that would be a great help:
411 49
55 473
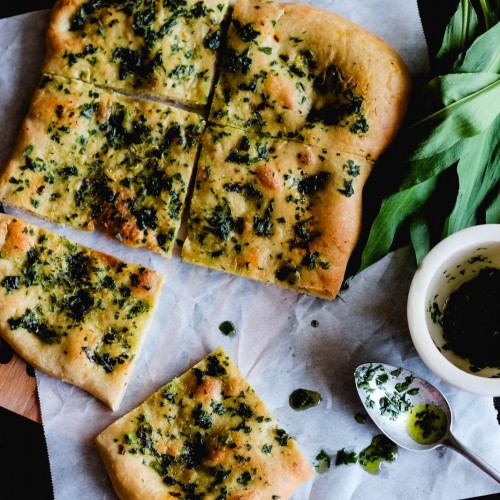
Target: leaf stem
489 14
465 23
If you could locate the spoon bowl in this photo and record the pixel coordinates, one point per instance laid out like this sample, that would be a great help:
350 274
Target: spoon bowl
410 411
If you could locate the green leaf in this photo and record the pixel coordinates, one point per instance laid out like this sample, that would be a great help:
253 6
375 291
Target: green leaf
454 88
459 129
460 31
493 211
479 174
491 12
394 211
463 115
425 168
420 236
483 55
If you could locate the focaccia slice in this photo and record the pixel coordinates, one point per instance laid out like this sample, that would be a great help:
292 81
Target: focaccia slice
72 312
298 72
204 435
87 157
160 48
276 211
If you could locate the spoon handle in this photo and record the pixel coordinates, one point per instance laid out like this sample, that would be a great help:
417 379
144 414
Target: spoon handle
453 443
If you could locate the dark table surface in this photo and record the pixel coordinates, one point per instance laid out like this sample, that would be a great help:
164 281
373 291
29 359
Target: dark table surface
25 473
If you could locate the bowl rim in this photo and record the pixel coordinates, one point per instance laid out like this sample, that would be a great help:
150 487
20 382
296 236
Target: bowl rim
416 309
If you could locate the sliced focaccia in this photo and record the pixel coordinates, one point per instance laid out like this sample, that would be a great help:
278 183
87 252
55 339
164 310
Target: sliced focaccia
72 312
204 435
160 48
276 211
298 72
87 157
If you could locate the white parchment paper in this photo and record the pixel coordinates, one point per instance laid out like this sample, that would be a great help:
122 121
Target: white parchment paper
276 347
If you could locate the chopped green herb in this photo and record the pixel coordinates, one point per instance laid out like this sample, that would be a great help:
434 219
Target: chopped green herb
323 462
267 448
313 183
11 283
246 31
344 457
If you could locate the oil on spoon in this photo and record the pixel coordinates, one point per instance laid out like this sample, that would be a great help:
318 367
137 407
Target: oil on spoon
410 411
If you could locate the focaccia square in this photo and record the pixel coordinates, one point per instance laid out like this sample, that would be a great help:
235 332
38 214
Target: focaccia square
159 48
204 435
72 312
294 71
86 157
275 210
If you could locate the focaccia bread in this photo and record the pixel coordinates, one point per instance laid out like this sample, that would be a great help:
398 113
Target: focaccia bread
161 48
87 157
72 312
276 211
204 435
302 73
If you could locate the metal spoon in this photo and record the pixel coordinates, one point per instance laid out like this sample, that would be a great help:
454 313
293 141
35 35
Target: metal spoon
390 394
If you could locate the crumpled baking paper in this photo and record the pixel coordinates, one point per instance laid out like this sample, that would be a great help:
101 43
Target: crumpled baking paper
276 346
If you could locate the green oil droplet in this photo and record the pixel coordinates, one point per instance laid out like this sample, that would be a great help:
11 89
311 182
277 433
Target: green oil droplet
360 418
302 399
227 329
427 424
381 449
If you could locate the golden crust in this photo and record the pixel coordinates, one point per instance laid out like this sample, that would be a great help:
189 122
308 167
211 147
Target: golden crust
161 49
203 433
87 157
276 211
295 71
74 313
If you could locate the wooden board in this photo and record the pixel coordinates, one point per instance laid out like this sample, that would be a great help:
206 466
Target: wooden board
18 386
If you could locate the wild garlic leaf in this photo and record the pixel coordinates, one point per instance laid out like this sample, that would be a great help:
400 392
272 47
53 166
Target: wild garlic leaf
425 168
493 211
483 55
463 117
394 211
459 133
479 175
459 33
455 87
491 12
420 236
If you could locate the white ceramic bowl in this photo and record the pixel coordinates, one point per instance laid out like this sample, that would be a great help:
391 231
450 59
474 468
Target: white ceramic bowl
456 259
